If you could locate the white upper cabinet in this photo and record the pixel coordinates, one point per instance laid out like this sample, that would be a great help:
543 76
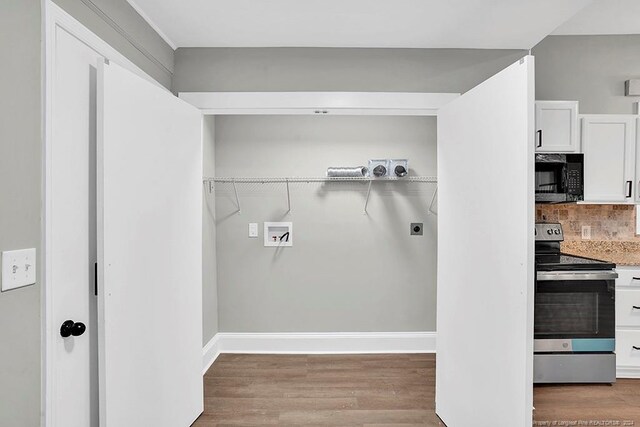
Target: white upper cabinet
637 168
557 127
609 147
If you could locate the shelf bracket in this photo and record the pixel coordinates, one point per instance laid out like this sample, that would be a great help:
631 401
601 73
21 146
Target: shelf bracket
210 187
433 199
235 190
366 202
288 198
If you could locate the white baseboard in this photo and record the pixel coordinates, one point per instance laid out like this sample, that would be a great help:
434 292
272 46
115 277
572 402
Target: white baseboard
318 343
627 372
210 353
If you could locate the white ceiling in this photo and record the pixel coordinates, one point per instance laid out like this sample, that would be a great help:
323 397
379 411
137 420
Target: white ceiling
508 24
604 17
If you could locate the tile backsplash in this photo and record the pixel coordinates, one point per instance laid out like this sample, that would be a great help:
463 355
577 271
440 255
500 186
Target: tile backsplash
608 222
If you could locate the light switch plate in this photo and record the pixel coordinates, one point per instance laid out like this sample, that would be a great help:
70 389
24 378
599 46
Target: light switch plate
18 268
253 229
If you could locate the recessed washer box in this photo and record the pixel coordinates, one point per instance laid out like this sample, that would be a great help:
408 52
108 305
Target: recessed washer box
278 234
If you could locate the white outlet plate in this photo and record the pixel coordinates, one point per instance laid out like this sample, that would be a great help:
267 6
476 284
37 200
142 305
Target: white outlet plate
253 229
273 231
586 232
18 268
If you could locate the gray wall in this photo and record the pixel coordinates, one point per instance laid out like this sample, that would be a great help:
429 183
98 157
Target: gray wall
346 271
590 69
304 69
209 258
321 285
21 173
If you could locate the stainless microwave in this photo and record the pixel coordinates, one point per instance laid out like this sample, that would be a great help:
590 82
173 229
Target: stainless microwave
559 177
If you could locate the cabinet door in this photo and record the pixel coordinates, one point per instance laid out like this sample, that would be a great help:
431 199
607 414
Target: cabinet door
608 143
557 127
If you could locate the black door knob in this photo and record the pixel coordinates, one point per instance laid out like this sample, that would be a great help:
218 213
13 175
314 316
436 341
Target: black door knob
69 327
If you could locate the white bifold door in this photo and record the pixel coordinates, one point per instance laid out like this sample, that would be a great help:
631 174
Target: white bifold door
149 198
484 370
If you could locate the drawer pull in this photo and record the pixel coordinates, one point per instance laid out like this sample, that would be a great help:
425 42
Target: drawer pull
635 307
635 278
635 348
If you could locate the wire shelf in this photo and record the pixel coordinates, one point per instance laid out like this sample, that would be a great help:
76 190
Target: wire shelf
426 179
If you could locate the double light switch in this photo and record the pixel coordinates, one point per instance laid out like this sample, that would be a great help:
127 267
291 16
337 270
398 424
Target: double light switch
18 268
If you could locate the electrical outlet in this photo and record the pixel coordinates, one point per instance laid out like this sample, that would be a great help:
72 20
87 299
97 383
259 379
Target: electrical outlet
586 232
416 229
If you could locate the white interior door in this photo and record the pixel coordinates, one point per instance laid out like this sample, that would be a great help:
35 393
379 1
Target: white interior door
484 369
71 387
149 254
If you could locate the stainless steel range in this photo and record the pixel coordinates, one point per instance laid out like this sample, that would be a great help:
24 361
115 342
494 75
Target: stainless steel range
574 317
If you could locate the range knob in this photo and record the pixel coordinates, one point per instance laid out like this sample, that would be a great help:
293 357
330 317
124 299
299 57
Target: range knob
557 231
549 231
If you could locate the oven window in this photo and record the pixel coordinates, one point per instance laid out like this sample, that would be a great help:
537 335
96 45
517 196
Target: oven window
566 314
574 309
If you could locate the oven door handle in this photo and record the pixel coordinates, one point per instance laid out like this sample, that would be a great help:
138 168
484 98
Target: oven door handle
576 275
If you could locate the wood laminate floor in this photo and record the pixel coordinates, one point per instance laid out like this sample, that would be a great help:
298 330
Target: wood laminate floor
374 390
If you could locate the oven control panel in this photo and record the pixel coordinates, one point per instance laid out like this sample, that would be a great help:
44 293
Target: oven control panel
548 232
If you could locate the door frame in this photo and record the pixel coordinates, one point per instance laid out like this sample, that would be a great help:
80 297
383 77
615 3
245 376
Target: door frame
53 18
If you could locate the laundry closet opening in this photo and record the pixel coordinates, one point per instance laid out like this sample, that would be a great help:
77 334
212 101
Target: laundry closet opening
347 271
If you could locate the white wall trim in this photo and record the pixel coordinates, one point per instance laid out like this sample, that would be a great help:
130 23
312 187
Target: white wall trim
152 24
627 372
318 343
319 103
210 353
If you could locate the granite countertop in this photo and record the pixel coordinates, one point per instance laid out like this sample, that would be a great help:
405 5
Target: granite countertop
619 252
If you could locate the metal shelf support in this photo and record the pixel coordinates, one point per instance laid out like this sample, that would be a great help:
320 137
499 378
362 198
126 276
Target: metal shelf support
433 199
288 198
366 202
235 190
